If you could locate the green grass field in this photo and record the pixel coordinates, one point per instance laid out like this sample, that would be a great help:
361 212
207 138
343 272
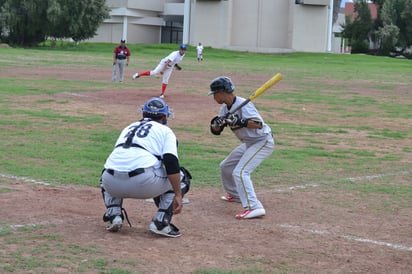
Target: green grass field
32 144
337 119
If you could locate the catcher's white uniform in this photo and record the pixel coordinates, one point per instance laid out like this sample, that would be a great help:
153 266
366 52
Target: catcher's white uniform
157 139
134 169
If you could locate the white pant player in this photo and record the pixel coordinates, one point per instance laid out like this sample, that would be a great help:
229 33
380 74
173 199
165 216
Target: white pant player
257 144
165 68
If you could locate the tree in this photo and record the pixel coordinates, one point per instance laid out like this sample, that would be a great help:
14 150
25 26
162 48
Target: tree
93 14
397 13
79 22
393 27
406 16
388 38
29 22
359 31
391 30
23 21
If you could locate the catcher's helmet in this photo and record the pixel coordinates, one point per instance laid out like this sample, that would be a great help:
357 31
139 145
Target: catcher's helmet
155 108
221 83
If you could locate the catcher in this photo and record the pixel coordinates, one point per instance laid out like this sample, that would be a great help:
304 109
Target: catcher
257 144
144 164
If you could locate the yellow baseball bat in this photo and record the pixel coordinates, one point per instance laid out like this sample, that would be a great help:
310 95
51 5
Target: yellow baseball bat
269 83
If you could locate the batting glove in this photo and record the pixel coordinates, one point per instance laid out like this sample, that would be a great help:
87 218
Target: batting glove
234 121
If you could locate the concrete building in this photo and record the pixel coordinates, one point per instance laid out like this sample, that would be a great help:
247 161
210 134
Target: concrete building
245 25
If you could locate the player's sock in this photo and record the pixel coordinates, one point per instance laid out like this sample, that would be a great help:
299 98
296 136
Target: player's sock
164 86
144 73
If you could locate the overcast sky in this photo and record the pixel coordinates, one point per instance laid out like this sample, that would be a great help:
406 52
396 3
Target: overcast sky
342 5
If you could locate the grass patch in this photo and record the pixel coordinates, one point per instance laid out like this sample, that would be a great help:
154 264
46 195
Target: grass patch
68 148
41 252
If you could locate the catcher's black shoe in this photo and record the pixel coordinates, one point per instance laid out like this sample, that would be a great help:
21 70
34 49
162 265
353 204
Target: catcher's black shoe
168 231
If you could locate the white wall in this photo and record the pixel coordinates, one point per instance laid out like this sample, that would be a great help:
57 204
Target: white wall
248 25
150 5
143 22
209 23
309 28
259 24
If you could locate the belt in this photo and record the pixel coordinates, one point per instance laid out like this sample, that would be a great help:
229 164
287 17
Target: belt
121 58
132 173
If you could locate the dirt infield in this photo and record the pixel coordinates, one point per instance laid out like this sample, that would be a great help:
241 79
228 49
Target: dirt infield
306 229
300 234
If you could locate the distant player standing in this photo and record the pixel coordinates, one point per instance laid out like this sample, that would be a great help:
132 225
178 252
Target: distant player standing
199 50
121 59
144 164
257 144
165 67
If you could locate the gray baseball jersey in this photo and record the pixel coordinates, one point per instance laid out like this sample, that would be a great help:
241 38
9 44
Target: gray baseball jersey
249 111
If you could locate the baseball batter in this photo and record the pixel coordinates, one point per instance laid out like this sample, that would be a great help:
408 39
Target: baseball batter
165 67
257 144
144 164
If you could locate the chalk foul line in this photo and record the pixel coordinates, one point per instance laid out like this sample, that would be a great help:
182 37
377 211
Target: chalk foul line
347 237
24 179
351 179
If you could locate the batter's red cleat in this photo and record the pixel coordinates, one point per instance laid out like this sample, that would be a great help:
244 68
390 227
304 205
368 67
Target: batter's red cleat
229 198
251 213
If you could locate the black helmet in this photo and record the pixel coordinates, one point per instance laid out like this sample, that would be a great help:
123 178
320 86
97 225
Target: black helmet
221 83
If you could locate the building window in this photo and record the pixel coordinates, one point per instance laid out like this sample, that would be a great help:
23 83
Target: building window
172 33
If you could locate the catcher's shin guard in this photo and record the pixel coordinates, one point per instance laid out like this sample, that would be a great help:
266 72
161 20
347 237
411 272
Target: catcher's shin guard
113 206
164 213
165 201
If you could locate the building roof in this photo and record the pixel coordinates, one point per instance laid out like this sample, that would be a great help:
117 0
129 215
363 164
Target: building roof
350 10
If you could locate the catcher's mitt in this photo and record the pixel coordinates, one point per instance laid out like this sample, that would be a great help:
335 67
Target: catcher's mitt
186 179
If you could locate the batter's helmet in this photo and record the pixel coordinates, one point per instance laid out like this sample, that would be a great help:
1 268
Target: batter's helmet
221 83
155 108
